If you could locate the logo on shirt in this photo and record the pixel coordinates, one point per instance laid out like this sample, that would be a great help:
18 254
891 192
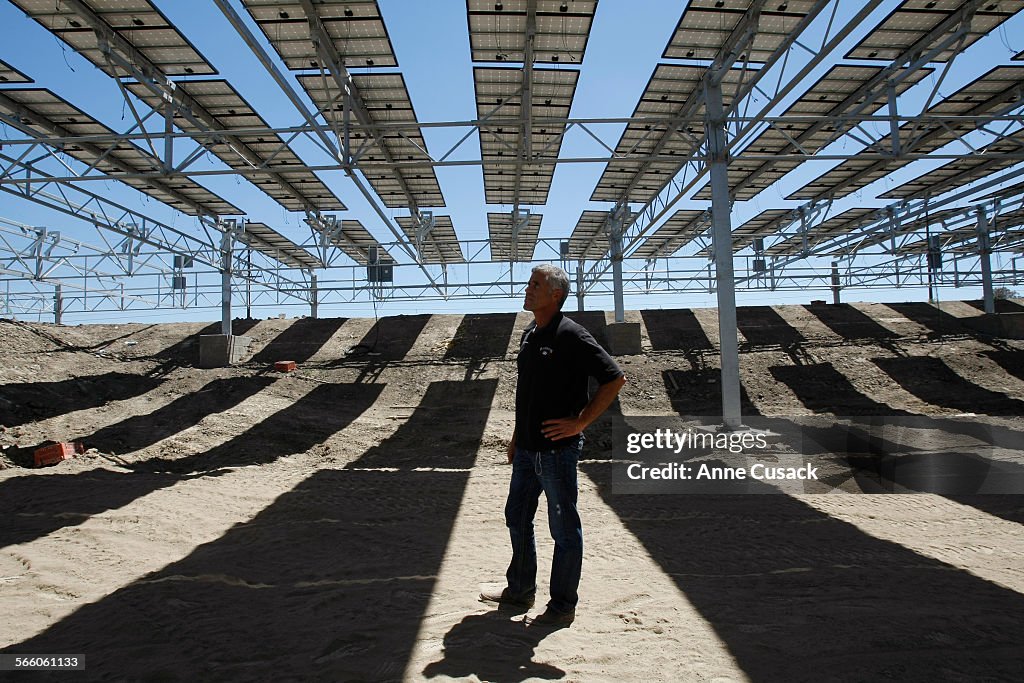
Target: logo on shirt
546 351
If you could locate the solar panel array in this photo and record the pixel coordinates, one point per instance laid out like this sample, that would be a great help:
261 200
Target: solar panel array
268 241
355 27
914 20
679 230
353 239
995 91
387 101
499 99
669 91
503 246
137 22
440 245
8 74
845 222
498 30
706 25
41 112
765 223
833 95
283 176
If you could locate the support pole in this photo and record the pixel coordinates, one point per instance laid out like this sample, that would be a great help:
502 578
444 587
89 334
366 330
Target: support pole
985 258
835 283
722 240
226 245
579 287
58 304
615 249
314 296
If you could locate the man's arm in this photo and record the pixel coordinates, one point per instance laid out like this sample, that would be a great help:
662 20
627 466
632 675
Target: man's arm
563 428
511 451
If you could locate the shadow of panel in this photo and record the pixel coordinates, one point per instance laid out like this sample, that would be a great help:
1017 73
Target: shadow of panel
482 335
594 323
823 389
797 595
1001 305
331 582
42 504
675 331
392 338
850 323
1011 361
934 382
31 401
140 431
936 320
699 392
307 422
450 416
763 326
300 340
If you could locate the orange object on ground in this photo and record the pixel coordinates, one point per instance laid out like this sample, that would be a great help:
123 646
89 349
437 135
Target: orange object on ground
54 453
284 365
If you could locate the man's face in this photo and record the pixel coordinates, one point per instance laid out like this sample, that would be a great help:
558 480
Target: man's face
540 295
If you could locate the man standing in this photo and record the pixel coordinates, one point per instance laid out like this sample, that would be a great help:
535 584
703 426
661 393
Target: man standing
553 407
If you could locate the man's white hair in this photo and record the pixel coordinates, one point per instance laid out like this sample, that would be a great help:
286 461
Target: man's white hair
556 279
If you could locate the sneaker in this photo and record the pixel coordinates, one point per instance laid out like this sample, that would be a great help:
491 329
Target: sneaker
508 600
552 617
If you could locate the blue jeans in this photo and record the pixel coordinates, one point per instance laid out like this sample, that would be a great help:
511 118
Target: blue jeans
553 472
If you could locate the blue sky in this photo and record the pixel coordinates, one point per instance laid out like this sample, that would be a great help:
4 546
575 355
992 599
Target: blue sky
431 42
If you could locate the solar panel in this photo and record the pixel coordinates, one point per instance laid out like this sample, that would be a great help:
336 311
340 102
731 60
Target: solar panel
935 221
137 22
268 241
995 91
682 228
834 94
499 100
993 157
355 27
440 245
8 74
589 238
1004 230
286 178
498 30
499 229
40 111
764 224
353 239
706 25
386 100
667 93
840 224
913 20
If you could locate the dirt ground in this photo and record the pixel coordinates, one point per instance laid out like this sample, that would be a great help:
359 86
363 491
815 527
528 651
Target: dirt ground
338 522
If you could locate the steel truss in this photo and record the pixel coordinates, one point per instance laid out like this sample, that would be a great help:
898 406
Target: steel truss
134 245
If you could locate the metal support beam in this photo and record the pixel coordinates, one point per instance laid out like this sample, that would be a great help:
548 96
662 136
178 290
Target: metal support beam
615 249
226 246
722 239
314 297
985 258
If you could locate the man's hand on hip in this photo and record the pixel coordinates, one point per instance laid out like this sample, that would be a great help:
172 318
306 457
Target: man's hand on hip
561 428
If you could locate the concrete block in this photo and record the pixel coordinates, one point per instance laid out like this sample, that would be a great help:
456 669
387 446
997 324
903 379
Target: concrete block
220 350
623 338
284 365
54 453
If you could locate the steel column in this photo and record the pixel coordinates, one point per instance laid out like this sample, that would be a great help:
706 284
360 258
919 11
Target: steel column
721 230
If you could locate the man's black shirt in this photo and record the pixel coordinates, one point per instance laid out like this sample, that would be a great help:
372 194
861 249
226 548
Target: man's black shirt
554 364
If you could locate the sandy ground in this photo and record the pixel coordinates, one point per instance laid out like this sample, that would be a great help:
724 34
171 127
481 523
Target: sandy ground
338 522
